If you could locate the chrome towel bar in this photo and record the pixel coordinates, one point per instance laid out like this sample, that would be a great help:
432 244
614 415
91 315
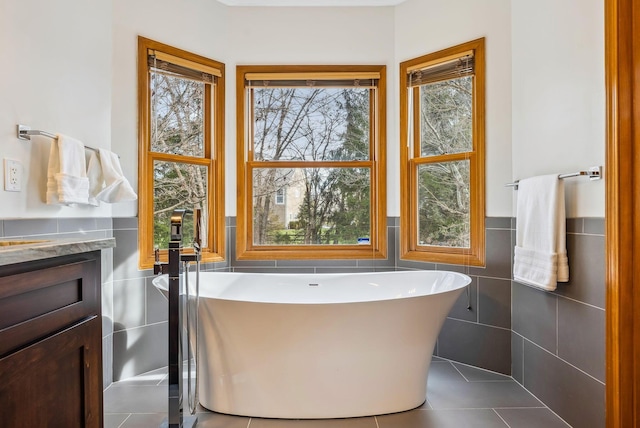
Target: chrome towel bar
594 173
25 132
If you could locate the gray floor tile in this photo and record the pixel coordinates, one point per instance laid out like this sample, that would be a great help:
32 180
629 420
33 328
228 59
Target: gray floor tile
217 420
531 418
152 378
115 420
144 420
443 371
473 374
479 395
135 399
467 418
369 422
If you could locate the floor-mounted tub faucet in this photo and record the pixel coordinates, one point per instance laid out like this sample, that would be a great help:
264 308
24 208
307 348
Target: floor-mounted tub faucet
175 418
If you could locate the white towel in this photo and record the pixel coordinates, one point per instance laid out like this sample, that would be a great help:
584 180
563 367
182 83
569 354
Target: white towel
117 188
96 178
541 252
67 181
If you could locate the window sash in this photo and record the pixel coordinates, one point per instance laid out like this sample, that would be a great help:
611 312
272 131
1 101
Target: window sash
213 148
411 157
248 78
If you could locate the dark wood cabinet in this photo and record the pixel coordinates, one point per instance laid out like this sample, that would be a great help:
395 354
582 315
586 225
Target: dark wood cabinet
51 343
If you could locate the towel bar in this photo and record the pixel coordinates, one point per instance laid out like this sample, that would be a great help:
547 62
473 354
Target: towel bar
25 132
594 173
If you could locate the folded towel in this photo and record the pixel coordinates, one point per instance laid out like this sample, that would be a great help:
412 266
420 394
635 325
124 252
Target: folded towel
540 253
73 184
117 188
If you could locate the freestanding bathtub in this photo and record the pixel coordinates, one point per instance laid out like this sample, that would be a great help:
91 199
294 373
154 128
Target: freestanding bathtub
313 346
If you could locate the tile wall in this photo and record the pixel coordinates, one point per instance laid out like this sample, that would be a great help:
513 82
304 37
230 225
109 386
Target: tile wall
558 338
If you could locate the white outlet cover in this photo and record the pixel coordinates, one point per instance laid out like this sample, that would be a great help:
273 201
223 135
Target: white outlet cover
12 175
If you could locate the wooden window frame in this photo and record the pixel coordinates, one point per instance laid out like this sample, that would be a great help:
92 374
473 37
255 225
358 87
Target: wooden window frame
213 158
377 247
409 162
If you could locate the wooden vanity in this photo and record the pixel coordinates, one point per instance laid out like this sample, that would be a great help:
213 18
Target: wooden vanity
51 334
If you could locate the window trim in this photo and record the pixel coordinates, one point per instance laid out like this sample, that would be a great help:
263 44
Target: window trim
377 248
213 157
409 248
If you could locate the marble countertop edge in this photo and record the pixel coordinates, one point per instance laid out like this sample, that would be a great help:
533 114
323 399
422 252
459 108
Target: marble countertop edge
51 248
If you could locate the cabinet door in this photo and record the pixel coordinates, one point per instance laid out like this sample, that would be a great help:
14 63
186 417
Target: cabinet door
55 382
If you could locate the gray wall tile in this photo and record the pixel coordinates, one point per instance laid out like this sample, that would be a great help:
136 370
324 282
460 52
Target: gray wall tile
139 350
586 270
459 310
534 315
125 223
574 396
107 361
129 298
2 228
30 227
104 223
273 270
494 302
517 357
156 303
498 252
76 225
476 344
594 225
125 256
315 263
575 225
581 337
497 222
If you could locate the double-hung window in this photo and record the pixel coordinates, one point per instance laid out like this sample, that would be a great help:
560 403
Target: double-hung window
311 162
180 107
442 156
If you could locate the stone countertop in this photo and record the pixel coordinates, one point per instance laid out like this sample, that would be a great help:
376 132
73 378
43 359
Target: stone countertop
33 249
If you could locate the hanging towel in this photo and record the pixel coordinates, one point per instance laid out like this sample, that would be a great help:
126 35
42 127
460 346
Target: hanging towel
117 188
52 170
96 178
67 182
541 252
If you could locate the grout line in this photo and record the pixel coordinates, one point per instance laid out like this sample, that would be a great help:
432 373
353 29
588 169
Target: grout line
505 422
480 323
249 423
579 301
376 420
429 403
558 357
557 326
125 420
456 369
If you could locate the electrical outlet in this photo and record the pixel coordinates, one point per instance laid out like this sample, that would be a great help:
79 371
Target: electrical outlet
12 175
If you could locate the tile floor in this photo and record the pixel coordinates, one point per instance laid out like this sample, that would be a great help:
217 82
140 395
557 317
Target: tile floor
458 396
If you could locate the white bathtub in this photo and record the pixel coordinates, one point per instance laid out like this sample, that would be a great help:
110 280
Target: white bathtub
312 346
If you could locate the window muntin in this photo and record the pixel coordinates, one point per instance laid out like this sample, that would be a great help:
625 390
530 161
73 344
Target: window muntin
442 156
181 144
317 135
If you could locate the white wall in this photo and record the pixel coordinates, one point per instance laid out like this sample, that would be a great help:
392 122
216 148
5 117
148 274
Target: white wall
425 26
559 96
332 35
56 60
198 26
70 67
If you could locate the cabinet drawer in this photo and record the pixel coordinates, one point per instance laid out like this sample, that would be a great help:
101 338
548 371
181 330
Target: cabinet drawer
37 303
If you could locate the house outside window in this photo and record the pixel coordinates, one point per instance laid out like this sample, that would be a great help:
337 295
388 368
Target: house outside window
442 156
180 107
311 137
